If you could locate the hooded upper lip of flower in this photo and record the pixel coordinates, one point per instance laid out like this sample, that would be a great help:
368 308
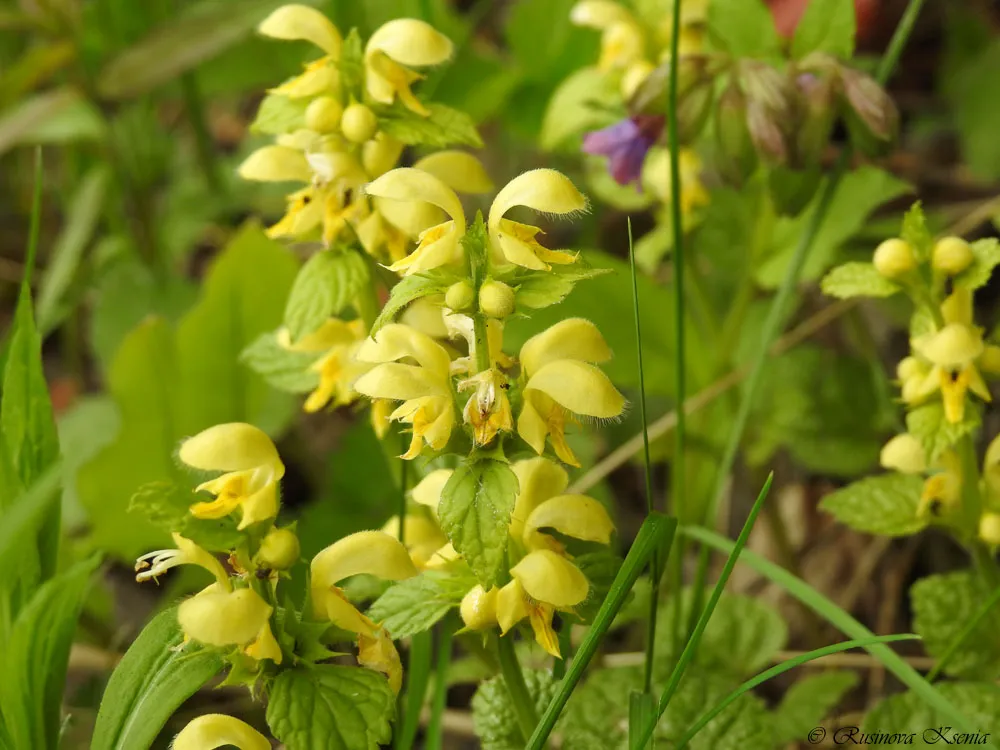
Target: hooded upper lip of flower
219 616
561 379
424 388
372 553
216 730
543 190
252 471
395 45
300 22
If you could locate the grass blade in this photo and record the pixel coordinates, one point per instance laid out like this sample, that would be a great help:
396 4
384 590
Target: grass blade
641 710
838 618
778 669
687 655
435 735
418 676
655 534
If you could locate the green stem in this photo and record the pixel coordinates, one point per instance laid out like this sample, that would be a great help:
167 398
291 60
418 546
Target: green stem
510 668
435 733
481 342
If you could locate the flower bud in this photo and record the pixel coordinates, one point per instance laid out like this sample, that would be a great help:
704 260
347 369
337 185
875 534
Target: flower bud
279 550
989 528
651 96
460 296
989 360
380 154
479 608
894 257
910 367
733 136
905 454
358 123
693 109
951 256
766 133
496 299
872 116
324 114
817 112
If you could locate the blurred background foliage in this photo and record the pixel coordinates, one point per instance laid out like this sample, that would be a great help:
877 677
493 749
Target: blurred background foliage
154 274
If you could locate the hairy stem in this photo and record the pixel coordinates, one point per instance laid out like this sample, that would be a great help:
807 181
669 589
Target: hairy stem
513 677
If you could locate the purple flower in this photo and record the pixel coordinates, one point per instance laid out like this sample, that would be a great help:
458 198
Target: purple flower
625 144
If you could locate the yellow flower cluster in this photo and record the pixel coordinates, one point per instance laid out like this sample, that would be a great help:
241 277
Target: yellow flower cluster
236 609
543 577
341 146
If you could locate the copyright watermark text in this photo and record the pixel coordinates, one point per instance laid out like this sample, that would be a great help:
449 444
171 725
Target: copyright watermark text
930 736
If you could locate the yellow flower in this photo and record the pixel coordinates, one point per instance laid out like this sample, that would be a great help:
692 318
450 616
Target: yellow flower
952 352
332 198
479 608
428 490
543 582
300 22
562 381
372 553
538 480
221 617
218 730
155 564
488 409
943 490
337 368
422 536
543 190
252 468
656 178
576 516
424 387
905 454
622 39
392 50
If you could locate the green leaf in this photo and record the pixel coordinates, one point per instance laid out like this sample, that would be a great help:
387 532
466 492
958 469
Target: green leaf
167 505
907 714
150 682
414 605
408 289
915 231
21 123
800 409
493 714
282 368
197 34
545 288
443 127
331 708
279 114
744 28
825 27
973 91
352 64
474 512
743 636
885 504
36 655
169 385
986 257
857 279
325 286
807 702
575 108
82 218
942 605
857 195
18 534
927 423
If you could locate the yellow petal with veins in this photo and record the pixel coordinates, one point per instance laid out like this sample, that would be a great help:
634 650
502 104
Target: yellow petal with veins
460 171
396 341
544 190
212 731
578 516
236 446
398 382
294 22
579 387
552 579
573 338
276 164
409 184
511 606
